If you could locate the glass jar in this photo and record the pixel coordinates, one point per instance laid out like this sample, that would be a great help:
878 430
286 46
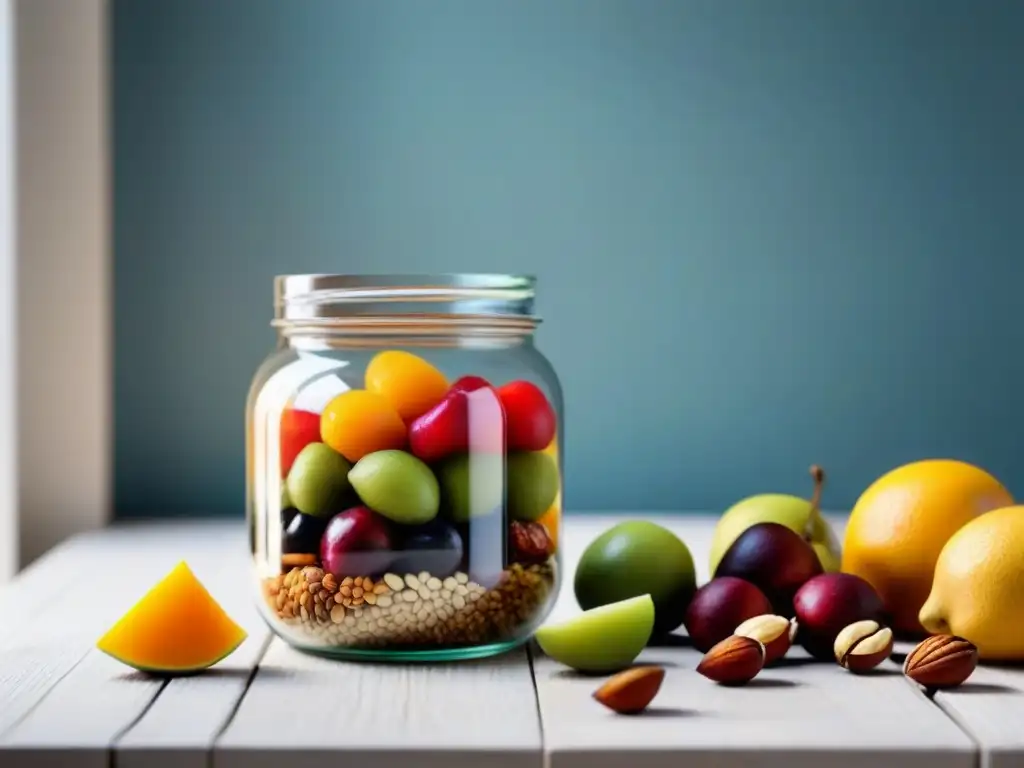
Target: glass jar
404 465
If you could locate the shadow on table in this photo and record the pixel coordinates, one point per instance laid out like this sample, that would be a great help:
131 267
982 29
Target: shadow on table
670 641
667 712
769 682
225 673
969 688
575 674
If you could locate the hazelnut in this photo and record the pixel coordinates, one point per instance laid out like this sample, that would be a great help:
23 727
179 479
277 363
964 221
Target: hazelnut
863 645
775 633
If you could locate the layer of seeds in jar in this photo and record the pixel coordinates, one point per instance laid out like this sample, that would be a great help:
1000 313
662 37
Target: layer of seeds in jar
406 609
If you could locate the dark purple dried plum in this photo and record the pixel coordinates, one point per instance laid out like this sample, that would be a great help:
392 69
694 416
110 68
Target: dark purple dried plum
434 547
302 536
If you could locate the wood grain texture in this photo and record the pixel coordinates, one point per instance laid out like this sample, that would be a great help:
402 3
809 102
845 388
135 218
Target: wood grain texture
802 715
80 717
990 706
179 729
304 711
799 715
55 609
94 698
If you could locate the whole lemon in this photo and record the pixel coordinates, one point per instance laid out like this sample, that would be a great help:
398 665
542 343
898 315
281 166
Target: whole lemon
978 591
901 522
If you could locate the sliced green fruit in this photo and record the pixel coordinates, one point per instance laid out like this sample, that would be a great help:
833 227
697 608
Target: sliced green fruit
604 639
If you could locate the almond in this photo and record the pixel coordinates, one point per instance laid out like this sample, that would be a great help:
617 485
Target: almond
631 691
863 645
734 661
941 661
775 633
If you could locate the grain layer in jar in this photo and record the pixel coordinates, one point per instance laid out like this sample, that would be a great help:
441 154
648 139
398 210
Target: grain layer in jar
404 467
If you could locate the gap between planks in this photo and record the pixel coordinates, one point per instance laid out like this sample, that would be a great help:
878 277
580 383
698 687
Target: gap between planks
96 700
988 713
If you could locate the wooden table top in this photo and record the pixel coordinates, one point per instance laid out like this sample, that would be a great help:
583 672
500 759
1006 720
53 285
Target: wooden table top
63 703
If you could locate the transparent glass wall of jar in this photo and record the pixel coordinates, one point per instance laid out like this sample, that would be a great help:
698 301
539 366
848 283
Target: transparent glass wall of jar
404 467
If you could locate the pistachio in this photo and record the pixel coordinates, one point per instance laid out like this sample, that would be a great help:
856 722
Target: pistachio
863 645
775 633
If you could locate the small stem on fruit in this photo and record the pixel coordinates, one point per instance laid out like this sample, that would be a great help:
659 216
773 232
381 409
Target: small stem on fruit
818 474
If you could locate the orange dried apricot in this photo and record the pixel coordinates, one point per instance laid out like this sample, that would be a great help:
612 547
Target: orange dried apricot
552 519
411 384
358 422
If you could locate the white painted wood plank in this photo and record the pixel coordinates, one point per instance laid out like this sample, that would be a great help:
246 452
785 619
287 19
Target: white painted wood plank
990 706
799 716
76 723
90 580
441 715
304 711
26 674
55 610
99 699
808 714
179 729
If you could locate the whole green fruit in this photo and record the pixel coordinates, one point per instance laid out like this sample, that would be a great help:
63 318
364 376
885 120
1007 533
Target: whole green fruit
397 485
532 484
318 480
472 485
635 558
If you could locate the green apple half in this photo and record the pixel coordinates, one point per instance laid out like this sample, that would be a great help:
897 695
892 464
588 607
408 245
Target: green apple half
802 516
603 639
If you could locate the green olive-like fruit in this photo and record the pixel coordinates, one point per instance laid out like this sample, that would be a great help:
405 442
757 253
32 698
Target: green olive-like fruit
397 485
318 480
532 484
634 558
472 485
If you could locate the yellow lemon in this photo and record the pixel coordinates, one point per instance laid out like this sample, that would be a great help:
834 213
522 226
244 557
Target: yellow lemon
978 591
901 522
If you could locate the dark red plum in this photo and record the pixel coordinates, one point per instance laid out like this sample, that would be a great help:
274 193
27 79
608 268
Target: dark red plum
719 607
774 559
357 542
828 603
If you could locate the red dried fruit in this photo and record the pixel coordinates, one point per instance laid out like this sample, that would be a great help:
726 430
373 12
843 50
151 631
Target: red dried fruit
530 417
530 542
469 418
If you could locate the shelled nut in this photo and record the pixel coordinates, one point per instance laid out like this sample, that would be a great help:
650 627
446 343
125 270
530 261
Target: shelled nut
863 645
775 633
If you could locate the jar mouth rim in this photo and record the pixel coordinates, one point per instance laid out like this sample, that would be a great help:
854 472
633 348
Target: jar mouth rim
325 296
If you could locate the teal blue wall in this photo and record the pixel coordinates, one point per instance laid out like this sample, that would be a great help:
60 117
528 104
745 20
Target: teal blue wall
766 233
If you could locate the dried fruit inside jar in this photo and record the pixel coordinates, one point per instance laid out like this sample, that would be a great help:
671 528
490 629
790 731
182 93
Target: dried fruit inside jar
423 513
